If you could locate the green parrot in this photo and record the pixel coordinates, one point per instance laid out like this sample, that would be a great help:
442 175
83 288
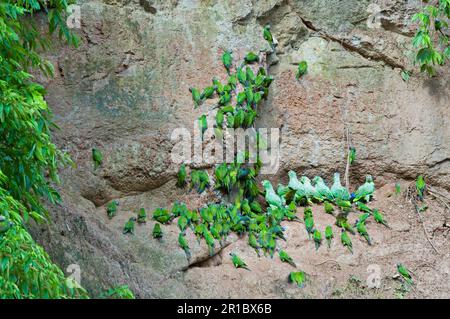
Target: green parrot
111 208
97 157
242 76
345 205
183 223
238 262
227 60
364 208
142 216
218 86
179 209
301 70
338 190
241 98
162 215
271 197
379 218
184 244
129 226
346 241
203 124
196 96
256 207
181 176
253 242
420 187
232 81
352 155
329 209
309 225
365 191
5 224
307 213
342 222
251 57
284 257
207 93
267 34
322 189
329 235
309 189
362 218
295 184
297 277
404 273
397 189
157 232
225 99
361 228
317 236
250 78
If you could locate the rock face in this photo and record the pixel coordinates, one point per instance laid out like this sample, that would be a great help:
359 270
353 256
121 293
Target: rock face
126 88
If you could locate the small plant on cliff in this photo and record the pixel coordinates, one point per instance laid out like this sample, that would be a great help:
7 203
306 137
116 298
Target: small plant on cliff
431 38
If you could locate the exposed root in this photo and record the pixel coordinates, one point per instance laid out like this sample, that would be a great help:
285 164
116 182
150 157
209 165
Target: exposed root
329 260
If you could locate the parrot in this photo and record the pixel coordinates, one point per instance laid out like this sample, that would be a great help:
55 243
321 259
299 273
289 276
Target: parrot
309 225
338 190
346 241
361 227
129 226
207 93
196 97
345 205
362 218
321 188
162 215
227 60
307 212
271 197
5 224
203 124
267 34
309 189
256 207
142 216
404 273
364 208
97 157
111 209
295 184
329 209
232 81
366 190
218 86
420 187
253 242
225 99
379 218
183 223
242 77
219 119
341 221
181 176
251 57
241 97
329 235
284 257
250 77
238 262
397 188
352 155
297 277
301 70
157 232
184 244
179 209
317 235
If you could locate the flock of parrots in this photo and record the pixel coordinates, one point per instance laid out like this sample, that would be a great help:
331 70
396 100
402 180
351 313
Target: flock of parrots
215 221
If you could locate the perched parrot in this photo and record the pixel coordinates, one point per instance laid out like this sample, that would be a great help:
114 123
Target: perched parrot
203 124
365 191
301 70
404 273
227 60
196 97
253 242
238 262
338 190
97 157
361 227
346 241
284 257
129 226
162 215
184 244
181 176
317 236
329 209
271 197
251 57
207 93
420 187
309 225
157 232
364 208
322 189
379 218
297 277
111 208
5 224
268 36
352 155
329 235
142 216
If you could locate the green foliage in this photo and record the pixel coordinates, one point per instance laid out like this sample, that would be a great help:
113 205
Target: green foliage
120 292
430 39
